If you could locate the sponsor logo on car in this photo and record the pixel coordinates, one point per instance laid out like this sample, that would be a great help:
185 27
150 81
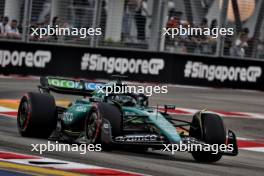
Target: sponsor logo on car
137 138
15 58
65 83
67 117
81 109
97 62
222 73
70 84
93 86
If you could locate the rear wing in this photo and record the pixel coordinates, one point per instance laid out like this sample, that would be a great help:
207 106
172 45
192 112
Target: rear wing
69 86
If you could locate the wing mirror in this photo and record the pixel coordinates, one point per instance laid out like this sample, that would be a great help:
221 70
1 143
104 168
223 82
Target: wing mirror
168 107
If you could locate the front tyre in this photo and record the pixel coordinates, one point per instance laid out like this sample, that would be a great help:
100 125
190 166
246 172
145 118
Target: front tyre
209 128
93 123
36 115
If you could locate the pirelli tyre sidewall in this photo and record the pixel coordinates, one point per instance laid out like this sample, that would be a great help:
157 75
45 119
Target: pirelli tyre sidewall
208 128
36 115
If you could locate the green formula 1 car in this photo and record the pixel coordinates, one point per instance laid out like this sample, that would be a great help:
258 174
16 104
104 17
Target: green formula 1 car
117 120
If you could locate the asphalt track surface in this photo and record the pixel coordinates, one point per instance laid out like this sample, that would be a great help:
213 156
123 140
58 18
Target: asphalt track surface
157 162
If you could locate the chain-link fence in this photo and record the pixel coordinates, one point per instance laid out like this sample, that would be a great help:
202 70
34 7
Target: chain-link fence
11 19
140 24
2 3
62 14
193 14
247 18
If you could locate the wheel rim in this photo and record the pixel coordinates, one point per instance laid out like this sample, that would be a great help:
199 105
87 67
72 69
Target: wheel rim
23 114
92 127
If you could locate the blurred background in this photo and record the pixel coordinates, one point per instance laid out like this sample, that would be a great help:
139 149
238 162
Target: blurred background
137 24
201 72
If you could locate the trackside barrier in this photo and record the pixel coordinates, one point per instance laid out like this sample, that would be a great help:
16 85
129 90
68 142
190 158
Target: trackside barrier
91 63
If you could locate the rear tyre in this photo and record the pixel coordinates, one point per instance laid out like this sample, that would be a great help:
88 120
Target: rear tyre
211 130
93 123
36 115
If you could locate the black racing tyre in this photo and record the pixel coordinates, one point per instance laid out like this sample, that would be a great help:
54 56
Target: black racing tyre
93 123
212 131
111 113
36 115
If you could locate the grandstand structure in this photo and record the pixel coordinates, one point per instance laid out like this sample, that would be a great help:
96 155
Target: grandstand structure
138 24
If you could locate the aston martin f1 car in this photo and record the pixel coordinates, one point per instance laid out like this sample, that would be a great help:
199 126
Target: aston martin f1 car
116 120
